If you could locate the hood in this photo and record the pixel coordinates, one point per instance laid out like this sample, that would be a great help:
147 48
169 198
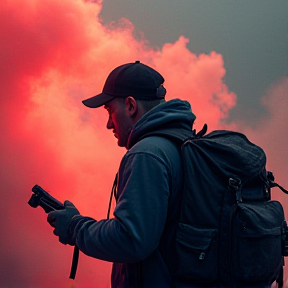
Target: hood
171 114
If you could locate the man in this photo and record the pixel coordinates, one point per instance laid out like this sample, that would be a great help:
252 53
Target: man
139 239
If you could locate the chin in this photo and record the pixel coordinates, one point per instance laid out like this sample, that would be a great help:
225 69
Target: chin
122 143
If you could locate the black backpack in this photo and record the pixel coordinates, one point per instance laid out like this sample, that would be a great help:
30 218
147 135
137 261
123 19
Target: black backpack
230 231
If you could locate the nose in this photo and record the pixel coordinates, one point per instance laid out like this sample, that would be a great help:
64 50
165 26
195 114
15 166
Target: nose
109 123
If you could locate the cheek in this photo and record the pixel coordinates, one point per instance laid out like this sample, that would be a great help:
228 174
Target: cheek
119 119
122 126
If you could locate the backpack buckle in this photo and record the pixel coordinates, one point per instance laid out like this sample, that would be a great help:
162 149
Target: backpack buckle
235 184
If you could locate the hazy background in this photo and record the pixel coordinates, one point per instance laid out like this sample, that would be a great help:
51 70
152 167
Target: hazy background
252 37
228 58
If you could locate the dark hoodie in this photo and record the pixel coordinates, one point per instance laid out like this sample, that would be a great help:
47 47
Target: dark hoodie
146 210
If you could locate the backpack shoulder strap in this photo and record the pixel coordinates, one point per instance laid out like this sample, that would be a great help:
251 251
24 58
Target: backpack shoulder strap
178 135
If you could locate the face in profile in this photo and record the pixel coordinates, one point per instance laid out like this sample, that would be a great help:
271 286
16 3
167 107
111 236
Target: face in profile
119 120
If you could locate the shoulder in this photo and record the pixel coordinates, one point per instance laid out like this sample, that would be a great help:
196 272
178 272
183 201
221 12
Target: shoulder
157 145
160 148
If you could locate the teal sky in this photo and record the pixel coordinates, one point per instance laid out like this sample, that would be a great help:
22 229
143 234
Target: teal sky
252 36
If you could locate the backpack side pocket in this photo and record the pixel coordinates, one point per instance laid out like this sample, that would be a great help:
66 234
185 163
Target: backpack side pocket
197 252
257 242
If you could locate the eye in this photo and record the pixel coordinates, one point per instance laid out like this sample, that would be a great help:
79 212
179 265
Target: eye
108 111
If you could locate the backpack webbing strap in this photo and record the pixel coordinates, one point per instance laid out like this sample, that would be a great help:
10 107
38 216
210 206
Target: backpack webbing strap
272 184
280 187
74 263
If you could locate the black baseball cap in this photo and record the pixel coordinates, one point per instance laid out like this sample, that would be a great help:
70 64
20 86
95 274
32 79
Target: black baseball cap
132 79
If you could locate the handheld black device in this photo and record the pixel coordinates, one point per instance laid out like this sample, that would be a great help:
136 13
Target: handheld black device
42 198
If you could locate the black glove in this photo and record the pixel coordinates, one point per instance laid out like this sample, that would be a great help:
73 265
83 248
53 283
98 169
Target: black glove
60 220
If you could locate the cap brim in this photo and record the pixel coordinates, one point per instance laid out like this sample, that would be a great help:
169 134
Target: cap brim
98 100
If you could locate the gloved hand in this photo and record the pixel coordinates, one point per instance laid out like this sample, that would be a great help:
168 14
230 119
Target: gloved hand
60 220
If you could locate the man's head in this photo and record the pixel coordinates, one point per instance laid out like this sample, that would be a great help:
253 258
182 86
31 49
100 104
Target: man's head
129 92
132 79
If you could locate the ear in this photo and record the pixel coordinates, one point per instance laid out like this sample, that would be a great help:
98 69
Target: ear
131 106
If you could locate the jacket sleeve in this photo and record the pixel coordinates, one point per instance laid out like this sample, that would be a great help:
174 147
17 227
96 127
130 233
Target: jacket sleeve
139 217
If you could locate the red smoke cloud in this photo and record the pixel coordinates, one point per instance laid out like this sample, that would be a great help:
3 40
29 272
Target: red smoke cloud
54 54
